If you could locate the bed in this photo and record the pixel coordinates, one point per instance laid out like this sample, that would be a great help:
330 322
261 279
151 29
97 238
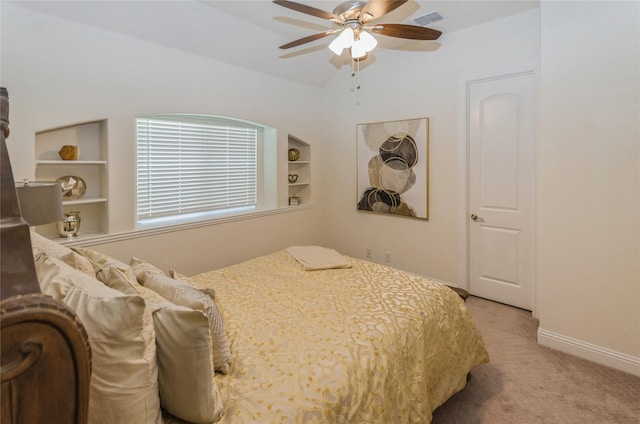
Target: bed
301 335
357 342
367 343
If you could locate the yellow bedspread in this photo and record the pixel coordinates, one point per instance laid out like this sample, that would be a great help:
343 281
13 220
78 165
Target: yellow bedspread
368 344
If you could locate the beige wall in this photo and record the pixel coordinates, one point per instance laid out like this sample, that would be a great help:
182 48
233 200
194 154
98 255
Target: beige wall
402 85
589 162
61 73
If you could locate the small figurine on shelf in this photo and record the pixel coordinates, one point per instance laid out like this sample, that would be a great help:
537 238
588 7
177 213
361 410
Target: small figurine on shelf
294 200
68 152
294 154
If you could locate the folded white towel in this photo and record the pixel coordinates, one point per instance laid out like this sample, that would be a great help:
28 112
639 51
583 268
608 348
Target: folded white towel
314 258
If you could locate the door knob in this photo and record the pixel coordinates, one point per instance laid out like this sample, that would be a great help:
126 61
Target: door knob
475 217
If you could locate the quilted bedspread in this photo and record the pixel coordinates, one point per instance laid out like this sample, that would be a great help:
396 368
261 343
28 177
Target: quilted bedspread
368 344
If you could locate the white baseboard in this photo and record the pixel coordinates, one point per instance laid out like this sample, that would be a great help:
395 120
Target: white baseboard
591 352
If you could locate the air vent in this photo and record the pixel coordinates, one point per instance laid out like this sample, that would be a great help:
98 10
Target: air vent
429 18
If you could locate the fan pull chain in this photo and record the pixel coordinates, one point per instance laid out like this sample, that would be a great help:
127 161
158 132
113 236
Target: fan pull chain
355 72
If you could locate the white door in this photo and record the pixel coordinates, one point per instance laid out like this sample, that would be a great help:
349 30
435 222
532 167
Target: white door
502 189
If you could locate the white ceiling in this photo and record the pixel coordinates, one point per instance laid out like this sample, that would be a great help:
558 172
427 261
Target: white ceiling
248 32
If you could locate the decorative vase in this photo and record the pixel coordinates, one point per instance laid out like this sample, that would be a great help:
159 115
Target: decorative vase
294 200
68 152
294 154
68 228
293 178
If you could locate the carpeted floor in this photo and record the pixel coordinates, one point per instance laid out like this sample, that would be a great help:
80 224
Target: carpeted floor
527 383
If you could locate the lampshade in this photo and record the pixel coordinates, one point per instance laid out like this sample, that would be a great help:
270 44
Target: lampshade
40 202
342 41
365 43
368 41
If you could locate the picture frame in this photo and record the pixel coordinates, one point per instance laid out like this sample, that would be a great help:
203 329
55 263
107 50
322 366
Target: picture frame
393 168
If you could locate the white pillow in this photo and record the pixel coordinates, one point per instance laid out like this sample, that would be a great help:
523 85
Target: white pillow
184 346
47 246
182 293
112 272
124 386
78 262
138 265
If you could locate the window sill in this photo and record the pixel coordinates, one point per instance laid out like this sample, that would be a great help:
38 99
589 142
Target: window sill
92 240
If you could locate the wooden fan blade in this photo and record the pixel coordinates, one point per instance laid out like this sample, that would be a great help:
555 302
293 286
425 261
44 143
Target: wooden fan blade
406 31
318 13
378 8
307 39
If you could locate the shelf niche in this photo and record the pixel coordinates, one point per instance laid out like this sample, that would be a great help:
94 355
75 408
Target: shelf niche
301 188
91 166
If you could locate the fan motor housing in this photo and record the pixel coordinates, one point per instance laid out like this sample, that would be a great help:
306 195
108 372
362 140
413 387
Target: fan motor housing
349 10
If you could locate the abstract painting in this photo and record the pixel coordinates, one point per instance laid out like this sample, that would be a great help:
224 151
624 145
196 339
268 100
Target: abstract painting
393 168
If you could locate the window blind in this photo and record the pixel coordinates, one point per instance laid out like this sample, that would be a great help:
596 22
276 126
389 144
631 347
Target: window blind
186 167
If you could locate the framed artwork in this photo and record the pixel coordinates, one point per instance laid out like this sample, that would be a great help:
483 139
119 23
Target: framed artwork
393 168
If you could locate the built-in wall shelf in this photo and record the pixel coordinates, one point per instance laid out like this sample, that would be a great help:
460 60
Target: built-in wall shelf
300 190
71 163
85 201
91 167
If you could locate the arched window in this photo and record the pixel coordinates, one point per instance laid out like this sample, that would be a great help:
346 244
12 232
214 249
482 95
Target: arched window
193 166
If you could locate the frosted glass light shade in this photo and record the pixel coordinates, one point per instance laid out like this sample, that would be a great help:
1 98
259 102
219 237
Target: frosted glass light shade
357 50
363 45
368 40
342 41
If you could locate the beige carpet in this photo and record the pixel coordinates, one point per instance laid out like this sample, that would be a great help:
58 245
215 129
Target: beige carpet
527 383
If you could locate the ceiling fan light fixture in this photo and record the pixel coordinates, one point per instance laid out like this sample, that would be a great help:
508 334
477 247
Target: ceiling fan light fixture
368 41
363 45
343 41
357 51
353 20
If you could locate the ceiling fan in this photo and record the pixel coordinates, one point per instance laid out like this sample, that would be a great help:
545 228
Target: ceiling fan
354 20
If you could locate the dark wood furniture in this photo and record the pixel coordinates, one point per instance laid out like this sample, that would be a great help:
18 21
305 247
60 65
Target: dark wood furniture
45 363
461 292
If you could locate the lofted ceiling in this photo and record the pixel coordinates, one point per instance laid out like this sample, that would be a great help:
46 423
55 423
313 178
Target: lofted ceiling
247 33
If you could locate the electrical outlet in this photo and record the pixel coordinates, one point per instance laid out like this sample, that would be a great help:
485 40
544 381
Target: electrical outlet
369 253
387 257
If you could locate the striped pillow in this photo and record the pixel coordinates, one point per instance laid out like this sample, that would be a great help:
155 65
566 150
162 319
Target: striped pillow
182 293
